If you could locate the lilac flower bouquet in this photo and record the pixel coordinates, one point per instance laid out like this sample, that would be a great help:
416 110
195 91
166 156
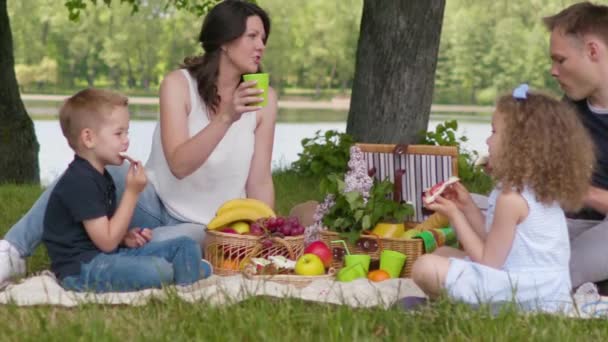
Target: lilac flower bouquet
356 203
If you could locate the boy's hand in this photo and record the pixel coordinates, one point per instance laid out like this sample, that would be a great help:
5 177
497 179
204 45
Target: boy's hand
137 237
136 177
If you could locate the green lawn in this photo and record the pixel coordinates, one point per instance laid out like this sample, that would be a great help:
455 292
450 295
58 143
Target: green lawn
266 318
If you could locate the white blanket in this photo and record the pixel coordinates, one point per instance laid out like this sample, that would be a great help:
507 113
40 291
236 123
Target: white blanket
43 289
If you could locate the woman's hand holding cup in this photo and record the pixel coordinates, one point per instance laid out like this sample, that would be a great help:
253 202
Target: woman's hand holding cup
244 99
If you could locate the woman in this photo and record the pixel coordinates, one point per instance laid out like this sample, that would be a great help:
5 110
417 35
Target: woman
211 144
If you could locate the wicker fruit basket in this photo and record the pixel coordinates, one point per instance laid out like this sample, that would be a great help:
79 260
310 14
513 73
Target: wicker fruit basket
230 253
373 246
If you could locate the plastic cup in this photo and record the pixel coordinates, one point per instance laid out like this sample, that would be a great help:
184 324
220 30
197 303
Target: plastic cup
392 262
353 259
351 273
262 79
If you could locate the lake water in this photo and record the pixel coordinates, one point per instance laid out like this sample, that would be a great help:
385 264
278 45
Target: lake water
55 153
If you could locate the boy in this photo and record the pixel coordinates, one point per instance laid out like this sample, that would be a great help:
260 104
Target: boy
83 224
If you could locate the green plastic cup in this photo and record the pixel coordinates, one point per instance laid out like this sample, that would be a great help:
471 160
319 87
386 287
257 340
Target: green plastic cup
353 259
351 273
262 79
392 262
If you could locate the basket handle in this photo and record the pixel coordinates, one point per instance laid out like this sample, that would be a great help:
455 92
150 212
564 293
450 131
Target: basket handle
258 247
400 149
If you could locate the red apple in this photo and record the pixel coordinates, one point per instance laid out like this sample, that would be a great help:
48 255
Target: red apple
320 249
309 265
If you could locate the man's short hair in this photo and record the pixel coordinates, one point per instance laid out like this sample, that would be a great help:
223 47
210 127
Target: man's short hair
87 109
581 19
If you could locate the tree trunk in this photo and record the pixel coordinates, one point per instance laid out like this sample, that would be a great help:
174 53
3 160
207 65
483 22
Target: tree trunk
18 144
395 70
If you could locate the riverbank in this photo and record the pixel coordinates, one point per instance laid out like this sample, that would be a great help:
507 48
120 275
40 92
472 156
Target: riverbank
337 103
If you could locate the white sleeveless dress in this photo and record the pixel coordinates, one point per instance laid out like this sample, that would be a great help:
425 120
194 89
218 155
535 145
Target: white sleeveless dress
536 272
222 177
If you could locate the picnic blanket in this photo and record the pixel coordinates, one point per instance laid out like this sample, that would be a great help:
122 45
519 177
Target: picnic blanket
43 289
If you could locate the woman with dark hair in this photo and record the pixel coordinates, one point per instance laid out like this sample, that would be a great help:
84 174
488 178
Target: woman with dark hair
212 142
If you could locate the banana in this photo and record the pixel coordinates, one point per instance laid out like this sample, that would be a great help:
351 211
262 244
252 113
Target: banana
235 214
255 204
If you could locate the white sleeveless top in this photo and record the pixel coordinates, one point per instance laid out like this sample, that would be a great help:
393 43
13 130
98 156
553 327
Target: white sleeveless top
222 176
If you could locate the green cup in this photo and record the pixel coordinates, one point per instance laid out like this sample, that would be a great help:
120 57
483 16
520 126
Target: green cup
262 79
353 259
351 273
392 262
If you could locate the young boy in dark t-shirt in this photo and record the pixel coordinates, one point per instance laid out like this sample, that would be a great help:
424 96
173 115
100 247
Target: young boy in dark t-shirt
83 224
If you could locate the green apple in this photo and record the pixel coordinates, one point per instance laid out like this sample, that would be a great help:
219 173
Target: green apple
309 265
240 227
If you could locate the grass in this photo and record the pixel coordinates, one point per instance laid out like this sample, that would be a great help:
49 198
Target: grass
264 318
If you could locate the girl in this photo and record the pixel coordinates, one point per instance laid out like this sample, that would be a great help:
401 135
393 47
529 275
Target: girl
541 158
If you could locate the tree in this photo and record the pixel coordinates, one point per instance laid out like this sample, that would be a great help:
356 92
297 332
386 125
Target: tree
18 143
395 70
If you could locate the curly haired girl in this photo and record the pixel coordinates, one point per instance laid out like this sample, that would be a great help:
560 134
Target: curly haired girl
541 159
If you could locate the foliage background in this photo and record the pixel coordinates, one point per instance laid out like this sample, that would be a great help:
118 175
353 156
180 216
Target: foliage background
486 46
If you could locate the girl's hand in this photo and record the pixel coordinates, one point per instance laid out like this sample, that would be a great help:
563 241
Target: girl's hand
459 195
444 206
137 237
243 100
136 178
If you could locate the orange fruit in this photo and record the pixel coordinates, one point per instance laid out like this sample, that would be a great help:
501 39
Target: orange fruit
231 264
378 275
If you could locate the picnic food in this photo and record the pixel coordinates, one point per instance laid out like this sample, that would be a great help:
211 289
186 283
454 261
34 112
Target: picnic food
431 194
242 209
246 202
309 265
378 275
320 249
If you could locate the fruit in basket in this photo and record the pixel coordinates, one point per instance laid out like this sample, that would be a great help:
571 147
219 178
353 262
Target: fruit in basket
231 264
320 249
228 230
241 227
309 265
241 209
253 203
281 226
389 230
378 275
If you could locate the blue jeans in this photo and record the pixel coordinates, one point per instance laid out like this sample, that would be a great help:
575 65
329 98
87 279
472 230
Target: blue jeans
176 261
149 212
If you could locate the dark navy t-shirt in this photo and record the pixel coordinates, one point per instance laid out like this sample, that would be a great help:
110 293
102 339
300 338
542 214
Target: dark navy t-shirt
597 126
82 193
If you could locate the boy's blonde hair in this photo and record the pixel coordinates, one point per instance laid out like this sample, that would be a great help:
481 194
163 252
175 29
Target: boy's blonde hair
544 147
87 109
580 19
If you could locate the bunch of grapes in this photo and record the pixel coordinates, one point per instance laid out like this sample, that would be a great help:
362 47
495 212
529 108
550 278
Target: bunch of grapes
276 227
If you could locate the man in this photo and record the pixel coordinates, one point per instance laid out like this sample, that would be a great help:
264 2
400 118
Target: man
579 54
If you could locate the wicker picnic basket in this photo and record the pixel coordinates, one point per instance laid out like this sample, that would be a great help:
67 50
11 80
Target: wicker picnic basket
373 246
412 169
230 253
